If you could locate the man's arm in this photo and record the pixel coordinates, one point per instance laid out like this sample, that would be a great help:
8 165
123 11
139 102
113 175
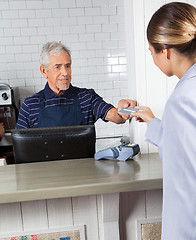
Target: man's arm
23 117
113 115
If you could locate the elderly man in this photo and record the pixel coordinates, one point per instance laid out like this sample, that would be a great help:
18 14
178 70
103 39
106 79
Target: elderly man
60 103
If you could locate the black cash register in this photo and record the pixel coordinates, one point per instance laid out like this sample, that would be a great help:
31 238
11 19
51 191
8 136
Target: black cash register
54 143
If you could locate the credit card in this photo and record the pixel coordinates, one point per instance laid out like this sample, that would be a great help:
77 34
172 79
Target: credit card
128 110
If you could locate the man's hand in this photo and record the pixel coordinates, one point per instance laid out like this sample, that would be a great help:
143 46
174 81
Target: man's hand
125 103
117 118
113 116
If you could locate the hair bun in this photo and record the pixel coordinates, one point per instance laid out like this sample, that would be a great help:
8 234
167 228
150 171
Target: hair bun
173 26
192 35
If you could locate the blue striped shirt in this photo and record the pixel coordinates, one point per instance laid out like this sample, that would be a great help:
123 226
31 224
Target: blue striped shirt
92 105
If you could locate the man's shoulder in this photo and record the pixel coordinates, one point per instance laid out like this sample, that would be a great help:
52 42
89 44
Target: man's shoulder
32 99
83 91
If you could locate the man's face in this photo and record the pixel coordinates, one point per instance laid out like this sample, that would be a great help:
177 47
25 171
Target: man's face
58 73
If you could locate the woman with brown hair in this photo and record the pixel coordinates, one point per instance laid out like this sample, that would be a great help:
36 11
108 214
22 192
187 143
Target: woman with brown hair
171 35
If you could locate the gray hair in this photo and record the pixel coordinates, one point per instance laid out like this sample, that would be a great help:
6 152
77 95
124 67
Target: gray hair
52 48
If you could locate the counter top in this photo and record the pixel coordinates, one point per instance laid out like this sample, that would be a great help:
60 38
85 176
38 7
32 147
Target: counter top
78 177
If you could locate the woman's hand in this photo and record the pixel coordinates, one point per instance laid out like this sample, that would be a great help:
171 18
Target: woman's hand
145 115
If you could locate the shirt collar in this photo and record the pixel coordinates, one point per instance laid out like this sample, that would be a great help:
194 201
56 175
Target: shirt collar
191 72
48 93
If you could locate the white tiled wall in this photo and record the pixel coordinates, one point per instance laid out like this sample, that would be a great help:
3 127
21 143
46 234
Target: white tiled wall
92 29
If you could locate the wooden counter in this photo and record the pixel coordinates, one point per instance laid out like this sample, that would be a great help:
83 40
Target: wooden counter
78 177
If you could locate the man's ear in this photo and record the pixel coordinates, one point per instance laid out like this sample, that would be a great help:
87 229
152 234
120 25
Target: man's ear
44 72
166 53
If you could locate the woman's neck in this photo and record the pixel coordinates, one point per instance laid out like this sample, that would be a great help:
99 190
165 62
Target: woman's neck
182 64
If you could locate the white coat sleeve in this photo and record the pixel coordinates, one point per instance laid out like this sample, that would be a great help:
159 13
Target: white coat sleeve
154 132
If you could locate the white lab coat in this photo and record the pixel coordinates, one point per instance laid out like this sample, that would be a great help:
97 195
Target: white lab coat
175 137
